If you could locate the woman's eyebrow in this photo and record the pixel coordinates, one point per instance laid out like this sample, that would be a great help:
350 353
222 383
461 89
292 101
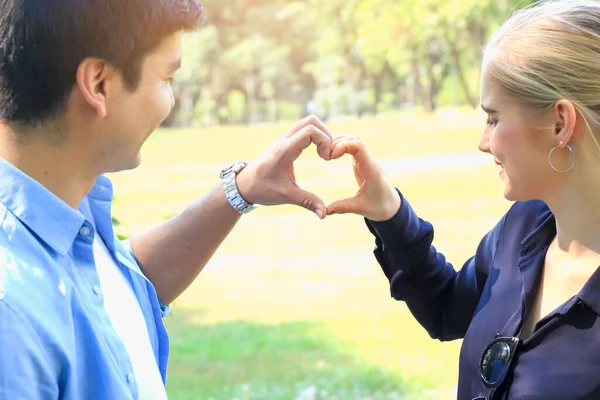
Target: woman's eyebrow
488 110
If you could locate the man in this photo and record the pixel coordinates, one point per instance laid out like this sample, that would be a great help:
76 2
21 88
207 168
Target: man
82 85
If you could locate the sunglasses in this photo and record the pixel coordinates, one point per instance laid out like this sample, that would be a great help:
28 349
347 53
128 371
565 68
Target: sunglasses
495 363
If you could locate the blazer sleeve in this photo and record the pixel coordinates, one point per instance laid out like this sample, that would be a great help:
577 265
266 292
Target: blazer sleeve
442 299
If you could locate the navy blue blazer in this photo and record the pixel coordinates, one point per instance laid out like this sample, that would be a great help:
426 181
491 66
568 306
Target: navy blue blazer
490 295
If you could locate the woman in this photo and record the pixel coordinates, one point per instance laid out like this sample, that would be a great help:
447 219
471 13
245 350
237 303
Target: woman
540 86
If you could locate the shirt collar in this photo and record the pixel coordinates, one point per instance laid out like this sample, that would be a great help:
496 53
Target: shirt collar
45 214
590 294
100 201
542 236
103 189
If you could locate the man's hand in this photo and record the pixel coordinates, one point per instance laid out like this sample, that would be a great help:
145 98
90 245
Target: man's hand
270 178
376 199
172 254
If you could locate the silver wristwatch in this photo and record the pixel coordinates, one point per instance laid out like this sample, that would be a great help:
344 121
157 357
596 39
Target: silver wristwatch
227 176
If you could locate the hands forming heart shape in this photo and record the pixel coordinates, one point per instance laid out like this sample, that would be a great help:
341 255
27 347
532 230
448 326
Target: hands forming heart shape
270 178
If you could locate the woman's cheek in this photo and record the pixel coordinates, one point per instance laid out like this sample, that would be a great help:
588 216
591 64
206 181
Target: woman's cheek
497 142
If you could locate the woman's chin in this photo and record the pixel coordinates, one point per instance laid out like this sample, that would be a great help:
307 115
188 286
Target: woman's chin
509 191
511 194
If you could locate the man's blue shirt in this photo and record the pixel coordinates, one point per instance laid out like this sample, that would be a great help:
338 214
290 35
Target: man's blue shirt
56 339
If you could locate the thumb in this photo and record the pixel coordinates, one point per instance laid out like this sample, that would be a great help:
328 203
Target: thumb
308 200
344 206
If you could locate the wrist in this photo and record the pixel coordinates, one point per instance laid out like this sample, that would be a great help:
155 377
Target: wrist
390 207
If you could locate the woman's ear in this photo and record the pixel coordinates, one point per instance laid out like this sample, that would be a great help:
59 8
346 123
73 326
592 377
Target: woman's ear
92 75
565 120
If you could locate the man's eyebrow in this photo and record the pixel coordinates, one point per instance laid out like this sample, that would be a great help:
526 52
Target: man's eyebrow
488 110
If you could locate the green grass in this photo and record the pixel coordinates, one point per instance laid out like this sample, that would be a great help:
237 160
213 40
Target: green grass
261 361
290 302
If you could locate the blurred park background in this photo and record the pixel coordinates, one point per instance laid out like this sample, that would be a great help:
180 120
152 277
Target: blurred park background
291 307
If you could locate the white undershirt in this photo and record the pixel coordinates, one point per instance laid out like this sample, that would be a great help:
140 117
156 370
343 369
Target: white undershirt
127 318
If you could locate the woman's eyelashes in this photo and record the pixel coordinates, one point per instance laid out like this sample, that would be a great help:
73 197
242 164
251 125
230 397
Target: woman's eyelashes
491 121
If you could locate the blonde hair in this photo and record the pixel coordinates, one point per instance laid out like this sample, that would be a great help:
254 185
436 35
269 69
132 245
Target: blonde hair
548 52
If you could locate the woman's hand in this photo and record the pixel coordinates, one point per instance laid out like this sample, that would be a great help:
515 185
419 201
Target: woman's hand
376 199
270 178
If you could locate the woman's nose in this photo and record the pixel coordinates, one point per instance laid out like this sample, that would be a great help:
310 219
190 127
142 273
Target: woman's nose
484 142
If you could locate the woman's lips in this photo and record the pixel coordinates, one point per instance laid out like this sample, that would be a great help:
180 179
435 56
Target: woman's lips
500 164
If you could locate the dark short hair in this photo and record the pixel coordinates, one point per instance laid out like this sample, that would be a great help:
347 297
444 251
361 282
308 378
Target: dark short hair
42 43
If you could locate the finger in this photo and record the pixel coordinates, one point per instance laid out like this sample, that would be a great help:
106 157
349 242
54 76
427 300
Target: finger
354 147
345 206
310 120
307 135
344 138
308 200
365 165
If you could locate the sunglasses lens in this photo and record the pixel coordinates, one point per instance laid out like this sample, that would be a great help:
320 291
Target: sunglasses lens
495 363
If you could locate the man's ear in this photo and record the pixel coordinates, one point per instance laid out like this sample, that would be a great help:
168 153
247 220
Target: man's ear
93 81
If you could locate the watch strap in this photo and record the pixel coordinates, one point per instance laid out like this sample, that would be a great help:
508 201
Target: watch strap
228 177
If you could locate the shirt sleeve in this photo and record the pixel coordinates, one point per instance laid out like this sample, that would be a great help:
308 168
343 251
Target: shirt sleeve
442 300
26 371
164 309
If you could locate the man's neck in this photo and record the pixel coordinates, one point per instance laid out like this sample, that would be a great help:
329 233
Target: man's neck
59 167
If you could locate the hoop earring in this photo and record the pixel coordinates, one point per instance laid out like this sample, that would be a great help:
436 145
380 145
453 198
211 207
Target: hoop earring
572 153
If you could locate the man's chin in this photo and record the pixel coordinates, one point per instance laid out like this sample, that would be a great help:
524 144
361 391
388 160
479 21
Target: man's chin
135 162
130 164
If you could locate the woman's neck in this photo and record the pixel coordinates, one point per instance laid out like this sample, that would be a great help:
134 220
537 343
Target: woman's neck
577 212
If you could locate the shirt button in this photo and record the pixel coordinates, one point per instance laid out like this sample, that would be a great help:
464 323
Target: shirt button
97 290
130 377
85 231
